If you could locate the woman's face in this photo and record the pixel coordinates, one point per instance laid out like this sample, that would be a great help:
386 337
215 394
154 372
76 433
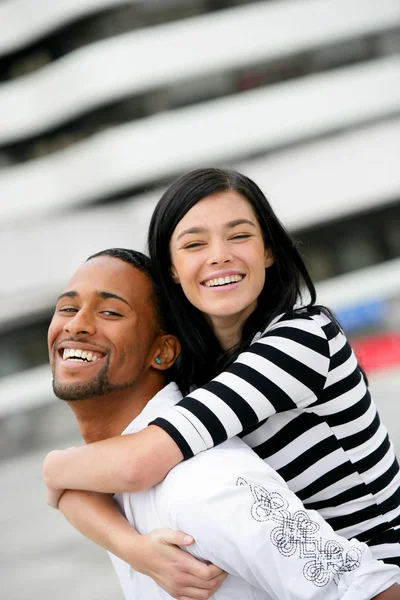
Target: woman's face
219 258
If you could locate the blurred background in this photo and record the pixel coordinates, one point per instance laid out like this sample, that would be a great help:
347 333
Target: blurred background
102 102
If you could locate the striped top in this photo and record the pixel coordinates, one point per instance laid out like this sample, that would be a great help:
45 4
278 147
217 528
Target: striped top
298 397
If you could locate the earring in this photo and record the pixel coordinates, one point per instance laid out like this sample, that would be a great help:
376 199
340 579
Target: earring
158 360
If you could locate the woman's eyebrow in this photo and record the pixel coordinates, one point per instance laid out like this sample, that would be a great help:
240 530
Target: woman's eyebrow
191 230
228 225
240 222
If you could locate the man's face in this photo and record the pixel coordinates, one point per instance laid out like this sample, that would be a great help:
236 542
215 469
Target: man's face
102 331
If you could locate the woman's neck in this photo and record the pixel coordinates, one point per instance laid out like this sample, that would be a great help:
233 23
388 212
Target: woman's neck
228 329
228 338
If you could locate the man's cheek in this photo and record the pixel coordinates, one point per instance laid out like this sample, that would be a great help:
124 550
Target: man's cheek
50 334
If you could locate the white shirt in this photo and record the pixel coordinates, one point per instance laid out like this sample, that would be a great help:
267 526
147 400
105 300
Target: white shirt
246 520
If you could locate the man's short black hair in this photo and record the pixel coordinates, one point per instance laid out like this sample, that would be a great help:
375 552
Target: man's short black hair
133 257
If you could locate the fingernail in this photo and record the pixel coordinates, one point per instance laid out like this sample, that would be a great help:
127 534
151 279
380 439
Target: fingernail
188 539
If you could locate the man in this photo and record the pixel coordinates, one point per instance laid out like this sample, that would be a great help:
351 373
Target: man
109 356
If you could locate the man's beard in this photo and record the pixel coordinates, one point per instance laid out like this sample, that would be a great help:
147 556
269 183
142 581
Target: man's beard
99 386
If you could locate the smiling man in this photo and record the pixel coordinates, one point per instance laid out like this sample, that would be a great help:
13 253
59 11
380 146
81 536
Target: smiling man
110 356
86 363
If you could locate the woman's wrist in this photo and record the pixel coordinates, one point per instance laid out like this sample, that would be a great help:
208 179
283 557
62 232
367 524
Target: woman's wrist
125 542
134 549
53 467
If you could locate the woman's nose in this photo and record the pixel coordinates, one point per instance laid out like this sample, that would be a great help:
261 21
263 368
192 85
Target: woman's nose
219 253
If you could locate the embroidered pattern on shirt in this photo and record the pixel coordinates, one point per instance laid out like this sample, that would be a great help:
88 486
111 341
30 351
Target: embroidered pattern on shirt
297 532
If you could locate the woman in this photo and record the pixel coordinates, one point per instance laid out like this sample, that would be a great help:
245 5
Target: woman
285 378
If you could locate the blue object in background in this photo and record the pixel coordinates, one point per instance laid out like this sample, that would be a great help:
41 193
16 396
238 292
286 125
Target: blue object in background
362 315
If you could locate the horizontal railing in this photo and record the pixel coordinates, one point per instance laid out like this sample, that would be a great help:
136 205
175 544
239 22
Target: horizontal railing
23 21
160 56
223 130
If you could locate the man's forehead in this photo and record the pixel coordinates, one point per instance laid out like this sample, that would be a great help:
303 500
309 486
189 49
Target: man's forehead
107 272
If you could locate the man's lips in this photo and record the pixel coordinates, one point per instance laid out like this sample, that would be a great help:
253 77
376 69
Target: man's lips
76 344
78 353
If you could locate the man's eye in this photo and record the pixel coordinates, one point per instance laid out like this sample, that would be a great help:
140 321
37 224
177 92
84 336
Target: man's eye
111 313
68 309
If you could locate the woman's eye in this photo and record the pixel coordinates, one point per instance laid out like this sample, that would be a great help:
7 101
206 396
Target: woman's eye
193 245
68 309
240 236
111 313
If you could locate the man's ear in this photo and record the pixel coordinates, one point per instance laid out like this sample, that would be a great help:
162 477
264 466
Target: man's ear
269 258
174 275
166 352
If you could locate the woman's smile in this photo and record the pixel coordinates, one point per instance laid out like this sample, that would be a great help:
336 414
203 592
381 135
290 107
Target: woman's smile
223 280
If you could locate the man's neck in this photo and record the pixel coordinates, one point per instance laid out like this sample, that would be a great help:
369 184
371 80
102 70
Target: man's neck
107 416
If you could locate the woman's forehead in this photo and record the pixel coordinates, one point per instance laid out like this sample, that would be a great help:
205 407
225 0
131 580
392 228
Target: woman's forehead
217 208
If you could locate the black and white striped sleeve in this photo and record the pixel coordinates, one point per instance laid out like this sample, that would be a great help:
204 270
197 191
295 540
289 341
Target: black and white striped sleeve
285 368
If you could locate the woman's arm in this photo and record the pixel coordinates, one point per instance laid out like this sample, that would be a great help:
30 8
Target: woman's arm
294 351
156 554
125 463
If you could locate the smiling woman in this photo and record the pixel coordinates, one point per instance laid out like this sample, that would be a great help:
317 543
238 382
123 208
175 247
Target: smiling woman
220 263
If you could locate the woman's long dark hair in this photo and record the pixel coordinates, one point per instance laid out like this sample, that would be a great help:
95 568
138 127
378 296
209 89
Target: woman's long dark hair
286 280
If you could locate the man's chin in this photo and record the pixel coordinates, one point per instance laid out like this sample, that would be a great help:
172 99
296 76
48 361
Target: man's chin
78 391
88 389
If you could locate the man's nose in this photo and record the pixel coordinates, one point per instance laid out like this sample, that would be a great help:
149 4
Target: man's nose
81 323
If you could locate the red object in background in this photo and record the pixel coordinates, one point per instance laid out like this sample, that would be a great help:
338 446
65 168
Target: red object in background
378 352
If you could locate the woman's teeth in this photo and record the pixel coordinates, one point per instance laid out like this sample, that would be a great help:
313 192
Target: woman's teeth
223 280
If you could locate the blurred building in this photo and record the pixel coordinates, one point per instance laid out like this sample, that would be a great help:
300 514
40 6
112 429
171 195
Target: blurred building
104 101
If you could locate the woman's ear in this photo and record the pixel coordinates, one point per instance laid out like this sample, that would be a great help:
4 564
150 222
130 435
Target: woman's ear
269 258
174 275
166 352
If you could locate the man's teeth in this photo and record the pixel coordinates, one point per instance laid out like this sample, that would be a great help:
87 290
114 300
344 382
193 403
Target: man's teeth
78 355
223 280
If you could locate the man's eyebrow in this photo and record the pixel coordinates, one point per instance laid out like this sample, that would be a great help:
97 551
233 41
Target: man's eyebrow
70 294
107 295
228 225
102 295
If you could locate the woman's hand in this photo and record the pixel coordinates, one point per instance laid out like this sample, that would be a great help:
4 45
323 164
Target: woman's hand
174 570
